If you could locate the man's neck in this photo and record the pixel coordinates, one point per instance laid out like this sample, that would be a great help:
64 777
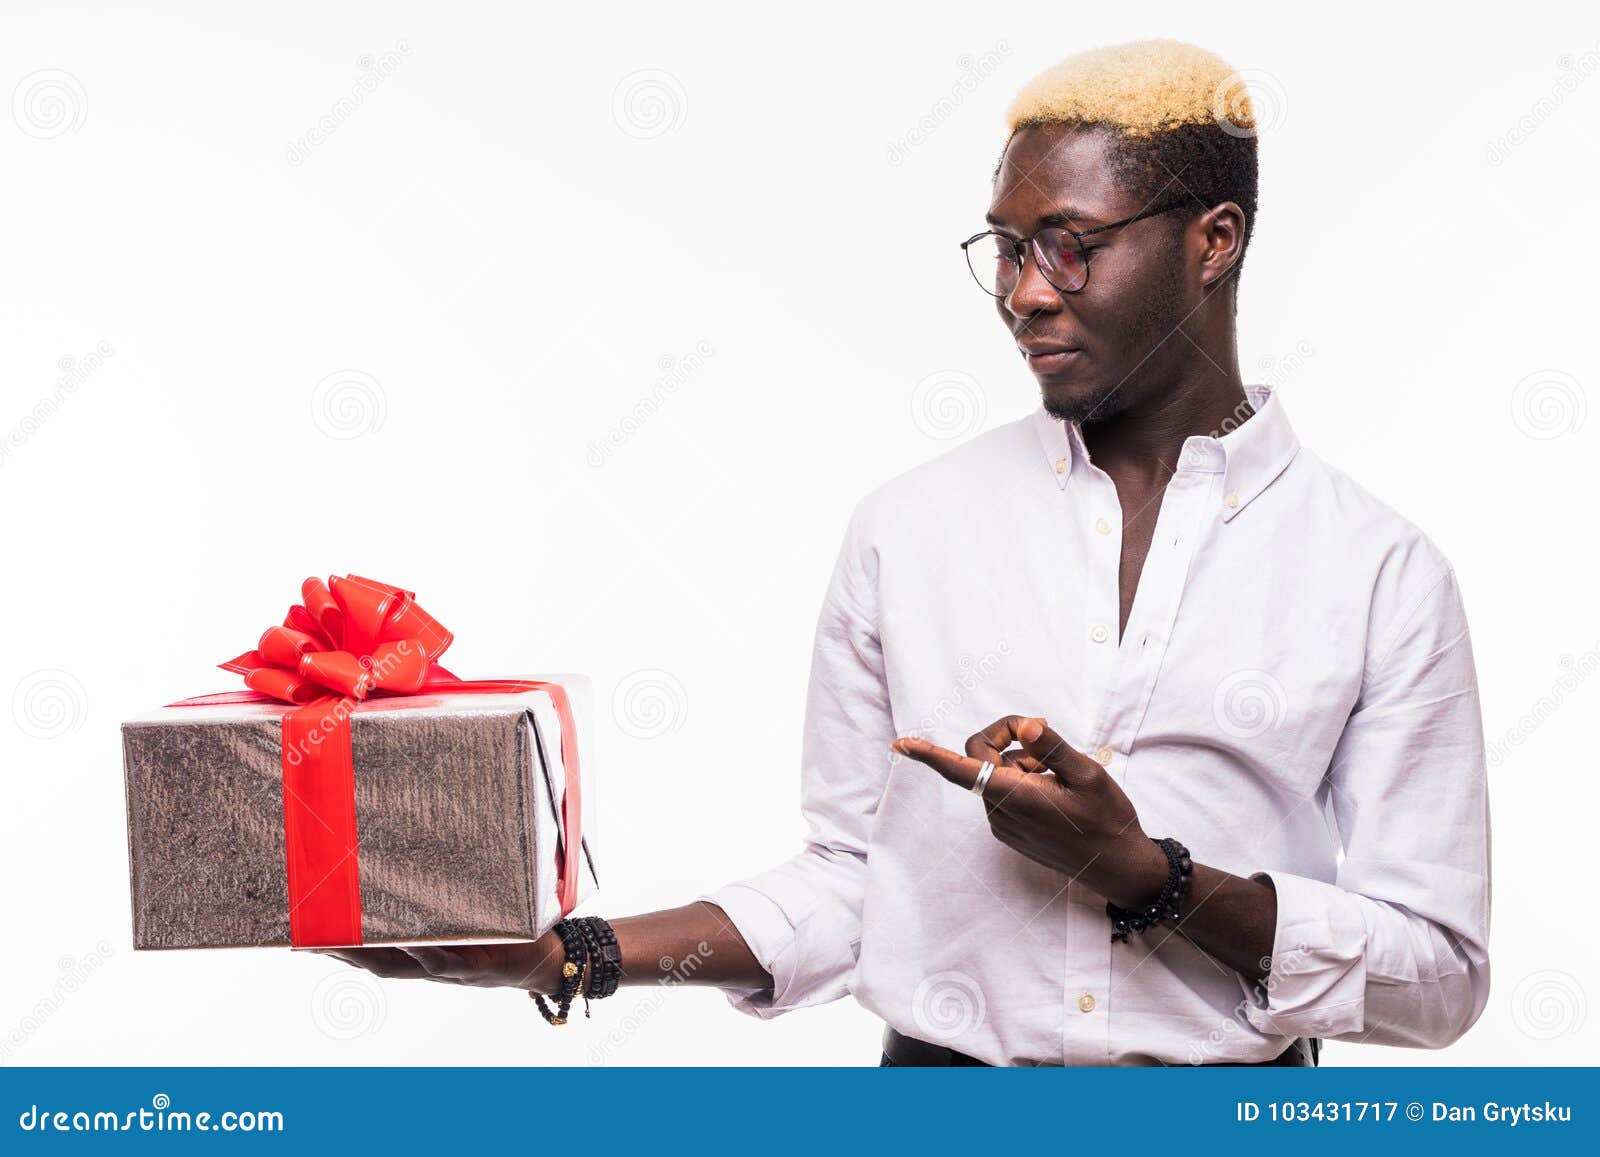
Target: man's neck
1146 440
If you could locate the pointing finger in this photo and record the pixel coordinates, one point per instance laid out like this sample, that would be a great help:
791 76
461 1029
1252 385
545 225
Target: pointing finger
959 769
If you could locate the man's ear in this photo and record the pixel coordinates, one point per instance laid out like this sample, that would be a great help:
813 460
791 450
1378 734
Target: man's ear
1221 232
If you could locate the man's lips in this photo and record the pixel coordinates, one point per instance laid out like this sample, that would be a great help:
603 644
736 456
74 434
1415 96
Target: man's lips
1048 357
1038 348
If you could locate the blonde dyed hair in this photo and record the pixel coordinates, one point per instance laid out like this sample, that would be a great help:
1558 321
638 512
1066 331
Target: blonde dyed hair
1139 89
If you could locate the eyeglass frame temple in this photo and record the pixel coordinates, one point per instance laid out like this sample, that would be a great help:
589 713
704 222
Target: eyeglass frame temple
1081 234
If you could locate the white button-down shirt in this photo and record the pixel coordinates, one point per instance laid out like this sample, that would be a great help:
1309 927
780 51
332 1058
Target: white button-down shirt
1294 698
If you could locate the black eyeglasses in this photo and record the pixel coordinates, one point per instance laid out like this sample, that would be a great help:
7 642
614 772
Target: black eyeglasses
996 260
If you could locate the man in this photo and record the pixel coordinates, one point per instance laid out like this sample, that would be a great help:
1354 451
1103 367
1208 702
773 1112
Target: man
1190 627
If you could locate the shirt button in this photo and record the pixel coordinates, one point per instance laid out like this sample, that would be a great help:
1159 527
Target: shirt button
1232 500
1099 634
1061 465
1086 1003
1101 526
1103 755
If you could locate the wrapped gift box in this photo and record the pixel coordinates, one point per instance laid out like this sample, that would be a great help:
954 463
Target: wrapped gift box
458 803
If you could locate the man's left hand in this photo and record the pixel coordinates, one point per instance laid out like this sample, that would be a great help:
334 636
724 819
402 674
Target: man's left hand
1056 806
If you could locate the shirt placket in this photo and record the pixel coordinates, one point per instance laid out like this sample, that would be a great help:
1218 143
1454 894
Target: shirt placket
1119 679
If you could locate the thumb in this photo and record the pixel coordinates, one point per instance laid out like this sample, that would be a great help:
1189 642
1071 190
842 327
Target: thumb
1039 740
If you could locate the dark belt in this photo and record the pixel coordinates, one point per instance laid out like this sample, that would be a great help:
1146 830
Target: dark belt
900 1051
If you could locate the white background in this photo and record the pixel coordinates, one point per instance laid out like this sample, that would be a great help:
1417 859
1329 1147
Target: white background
592 327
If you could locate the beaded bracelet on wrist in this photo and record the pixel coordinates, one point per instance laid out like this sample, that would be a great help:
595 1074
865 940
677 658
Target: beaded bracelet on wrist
592 966
1166 906
608 956
571 974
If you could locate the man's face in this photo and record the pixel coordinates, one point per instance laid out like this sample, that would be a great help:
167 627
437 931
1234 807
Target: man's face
1123 324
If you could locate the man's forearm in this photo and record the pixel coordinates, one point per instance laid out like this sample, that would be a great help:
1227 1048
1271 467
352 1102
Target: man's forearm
694 944
1231 918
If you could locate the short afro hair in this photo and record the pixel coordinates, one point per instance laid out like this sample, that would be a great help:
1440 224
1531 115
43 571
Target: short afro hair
1181 120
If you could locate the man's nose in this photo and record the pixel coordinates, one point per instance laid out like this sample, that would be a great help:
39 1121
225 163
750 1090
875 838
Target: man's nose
1032 293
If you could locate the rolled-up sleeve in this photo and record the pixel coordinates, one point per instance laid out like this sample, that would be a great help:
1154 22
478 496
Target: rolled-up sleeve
1394 950
802 918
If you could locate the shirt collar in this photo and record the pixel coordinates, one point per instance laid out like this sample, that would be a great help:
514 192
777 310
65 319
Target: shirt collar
1249 453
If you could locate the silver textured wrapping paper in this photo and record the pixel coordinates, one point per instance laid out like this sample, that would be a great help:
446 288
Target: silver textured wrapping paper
457 806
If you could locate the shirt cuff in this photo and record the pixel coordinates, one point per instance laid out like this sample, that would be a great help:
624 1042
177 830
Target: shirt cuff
1318 982
771 939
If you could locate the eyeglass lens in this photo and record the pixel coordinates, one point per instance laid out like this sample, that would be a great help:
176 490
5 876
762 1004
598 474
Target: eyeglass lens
993 259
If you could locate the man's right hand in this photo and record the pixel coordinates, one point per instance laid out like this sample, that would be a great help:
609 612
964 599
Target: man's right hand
534 965
694 944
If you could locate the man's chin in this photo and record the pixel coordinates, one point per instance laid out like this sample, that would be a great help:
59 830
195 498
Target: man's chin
1078 401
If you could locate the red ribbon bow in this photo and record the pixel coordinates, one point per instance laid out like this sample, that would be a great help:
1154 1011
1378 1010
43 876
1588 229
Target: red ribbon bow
352 638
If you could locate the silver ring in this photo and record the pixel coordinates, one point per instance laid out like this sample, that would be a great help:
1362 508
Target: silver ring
982 781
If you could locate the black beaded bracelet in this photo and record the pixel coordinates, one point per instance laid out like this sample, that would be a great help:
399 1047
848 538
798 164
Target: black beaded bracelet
592 967
571 974
1166 906
606 956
